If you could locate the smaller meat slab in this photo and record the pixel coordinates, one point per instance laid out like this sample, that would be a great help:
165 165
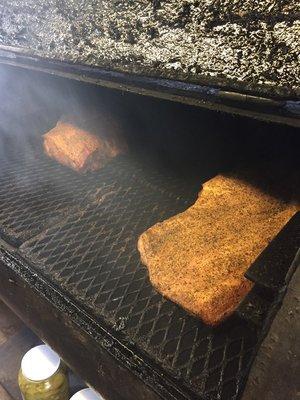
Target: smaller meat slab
79 149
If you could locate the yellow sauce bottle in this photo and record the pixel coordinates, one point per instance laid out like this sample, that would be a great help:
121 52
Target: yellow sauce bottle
42 375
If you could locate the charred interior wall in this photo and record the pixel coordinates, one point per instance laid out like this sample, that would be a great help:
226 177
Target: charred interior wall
241 44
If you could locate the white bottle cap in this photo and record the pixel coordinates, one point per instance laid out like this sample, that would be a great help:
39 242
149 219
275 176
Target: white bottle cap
86 394
40 363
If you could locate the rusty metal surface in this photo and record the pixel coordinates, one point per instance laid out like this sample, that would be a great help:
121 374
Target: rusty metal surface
242 45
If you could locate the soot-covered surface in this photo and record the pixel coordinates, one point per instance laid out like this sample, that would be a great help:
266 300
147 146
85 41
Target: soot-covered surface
242 45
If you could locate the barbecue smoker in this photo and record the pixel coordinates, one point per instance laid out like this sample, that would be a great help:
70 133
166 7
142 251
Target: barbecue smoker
69 264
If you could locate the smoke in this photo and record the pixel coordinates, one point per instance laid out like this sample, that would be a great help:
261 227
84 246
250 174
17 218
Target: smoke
31 103
23 112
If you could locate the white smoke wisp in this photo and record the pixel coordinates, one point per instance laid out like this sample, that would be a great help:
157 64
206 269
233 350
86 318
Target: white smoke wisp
30 105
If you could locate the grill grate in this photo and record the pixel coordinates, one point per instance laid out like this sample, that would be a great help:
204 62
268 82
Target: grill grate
36 192
81 233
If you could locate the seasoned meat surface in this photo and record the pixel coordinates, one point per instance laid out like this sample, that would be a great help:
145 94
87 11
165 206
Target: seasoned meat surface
198 258
79 149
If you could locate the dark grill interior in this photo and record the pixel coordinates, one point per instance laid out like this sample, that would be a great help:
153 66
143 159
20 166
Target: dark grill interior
81 232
